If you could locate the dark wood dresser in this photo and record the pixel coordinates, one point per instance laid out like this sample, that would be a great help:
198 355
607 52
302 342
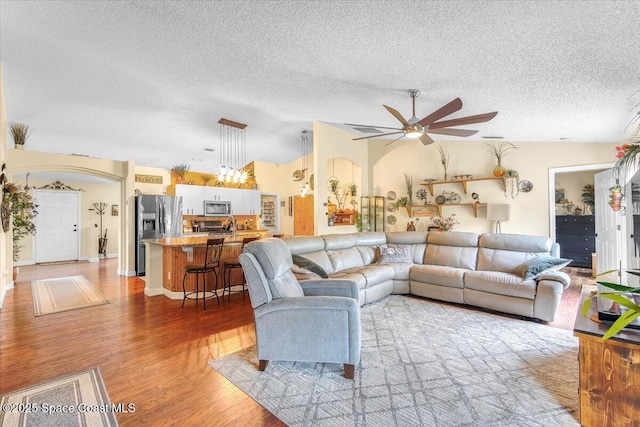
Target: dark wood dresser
576 236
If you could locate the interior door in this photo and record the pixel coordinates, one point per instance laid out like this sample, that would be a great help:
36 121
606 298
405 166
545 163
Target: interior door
56 226
610 227
303 216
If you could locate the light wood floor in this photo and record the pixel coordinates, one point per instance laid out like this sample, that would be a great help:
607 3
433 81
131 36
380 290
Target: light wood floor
149 352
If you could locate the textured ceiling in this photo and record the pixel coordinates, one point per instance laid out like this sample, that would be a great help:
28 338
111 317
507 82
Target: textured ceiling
149 81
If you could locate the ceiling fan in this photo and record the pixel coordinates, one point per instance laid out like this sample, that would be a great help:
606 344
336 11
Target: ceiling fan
416 128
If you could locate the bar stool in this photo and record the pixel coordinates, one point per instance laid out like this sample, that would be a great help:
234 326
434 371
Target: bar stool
210 265
229 265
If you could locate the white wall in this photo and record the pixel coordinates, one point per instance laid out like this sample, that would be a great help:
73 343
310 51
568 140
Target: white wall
529 211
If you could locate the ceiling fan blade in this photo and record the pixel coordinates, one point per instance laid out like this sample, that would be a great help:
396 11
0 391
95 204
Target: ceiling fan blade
397 115
426 139
375 136
388 143
444 111
371 126
454 132
480 118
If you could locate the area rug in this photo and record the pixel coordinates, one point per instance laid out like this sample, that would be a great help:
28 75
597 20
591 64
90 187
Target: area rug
426 364
42 404
64 294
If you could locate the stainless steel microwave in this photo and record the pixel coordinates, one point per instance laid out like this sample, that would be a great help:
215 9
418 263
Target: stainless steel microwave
217 208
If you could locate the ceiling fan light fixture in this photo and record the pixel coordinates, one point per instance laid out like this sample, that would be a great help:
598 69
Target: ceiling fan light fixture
413 134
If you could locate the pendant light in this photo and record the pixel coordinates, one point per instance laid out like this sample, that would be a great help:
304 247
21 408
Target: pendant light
233 152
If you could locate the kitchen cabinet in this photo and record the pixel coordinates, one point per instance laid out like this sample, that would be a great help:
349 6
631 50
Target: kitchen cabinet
576 236
245 202
192 199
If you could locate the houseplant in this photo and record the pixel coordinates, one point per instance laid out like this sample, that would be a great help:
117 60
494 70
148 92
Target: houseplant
617 296
20 133
18 203
588 197
615 197
500 152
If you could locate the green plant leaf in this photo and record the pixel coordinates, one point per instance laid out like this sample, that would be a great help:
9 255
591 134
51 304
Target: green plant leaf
621 300
622 322
586 306
620 288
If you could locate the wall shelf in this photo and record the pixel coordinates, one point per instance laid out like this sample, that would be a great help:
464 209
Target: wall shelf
464 182
474 206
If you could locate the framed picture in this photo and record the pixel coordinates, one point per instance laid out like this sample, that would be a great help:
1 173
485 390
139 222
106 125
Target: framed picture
114 210
559 195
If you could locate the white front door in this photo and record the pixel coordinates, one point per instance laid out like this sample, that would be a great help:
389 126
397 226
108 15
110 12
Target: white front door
611 227
57 226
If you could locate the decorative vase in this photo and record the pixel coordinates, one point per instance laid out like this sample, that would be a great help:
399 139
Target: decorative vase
499 170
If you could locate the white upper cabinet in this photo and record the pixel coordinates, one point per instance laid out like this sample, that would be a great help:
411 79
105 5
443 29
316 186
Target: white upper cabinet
243 202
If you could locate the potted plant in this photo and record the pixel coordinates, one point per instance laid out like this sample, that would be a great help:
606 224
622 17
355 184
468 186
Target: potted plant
615 197
422 195
180 171
588 197
353 189
500 152
20 133
334 183
18 204
617 295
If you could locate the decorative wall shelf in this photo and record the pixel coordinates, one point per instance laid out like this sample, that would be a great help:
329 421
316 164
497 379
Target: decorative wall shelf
474 206
459 181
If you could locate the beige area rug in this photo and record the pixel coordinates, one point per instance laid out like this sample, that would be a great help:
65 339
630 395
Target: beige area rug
83 395
426 364
64 294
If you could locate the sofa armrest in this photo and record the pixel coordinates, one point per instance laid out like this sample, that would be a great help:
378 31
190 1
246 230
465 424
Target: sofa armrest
558 276
330 287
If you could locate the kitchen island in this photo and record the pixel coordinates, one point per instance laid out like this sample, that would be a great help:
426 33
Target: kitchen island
166 259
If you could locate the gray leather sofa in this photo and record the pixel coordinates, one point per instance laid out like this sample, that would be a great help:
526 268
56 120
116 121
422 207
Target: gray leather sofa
460 267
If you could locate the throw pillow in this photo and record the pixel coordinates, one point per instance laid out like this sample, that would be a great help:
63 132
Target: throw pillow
307 264
395 253
533 267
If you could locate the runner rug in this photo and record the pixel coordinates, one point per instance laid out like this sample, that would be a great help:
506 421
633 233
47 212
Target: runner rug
426 364
64 294
82 395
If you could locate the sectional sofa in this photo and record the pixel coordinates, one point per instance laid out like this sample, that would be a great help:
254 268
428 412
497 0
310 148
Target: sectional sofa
516 274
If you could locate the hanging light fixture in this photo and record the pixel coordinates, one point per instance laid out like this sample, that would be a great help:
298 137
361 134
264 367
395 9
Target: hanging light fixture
305 162
233 152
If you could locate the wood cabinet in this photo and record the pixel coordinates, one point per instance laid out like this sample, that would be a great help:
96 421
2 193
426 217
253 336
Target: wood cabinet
609 384
576 236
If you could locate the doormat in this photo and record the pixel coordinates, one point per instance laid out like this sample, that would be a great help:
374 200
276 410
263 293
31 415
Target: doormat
64 294
38 405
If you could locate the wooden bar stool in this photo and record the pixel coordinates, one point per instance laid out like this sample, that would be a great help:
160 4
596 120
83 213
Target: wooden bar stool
210 265
231 265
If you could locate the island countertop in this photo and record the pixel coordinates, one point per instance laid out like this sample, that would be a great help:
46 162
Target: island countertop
197 240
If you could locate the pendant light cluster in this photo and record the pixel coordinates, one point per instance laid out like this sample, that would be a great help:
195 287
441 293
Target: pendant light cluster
233 152
305 145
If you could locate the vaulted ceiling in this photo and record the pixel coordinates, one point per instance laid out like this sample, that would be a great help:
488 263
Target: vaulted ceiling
149 81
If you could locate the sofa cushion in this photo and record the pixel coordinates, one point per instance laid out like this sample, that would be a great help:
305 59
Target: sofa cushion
401 270
532 268
417 241
377 273
305 266
500 283
395 253
338 241
351 274
505 252
285 286
342 259
452 249
438 275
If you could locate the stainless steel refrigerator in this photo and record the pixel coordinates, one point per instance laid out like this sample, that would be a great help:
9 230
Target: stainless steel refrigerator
157 217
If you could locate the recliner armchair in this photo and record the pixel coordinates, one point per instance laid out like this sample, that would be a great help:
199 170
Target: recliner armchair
308 321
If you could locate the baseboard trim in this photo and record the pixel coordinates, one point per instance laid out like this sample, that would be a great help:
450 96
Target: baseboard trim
172 295
152 292
126 273
88 259
21 263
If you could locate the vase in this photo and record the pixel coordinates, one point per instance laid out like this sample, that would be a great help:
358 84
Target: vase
499 170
